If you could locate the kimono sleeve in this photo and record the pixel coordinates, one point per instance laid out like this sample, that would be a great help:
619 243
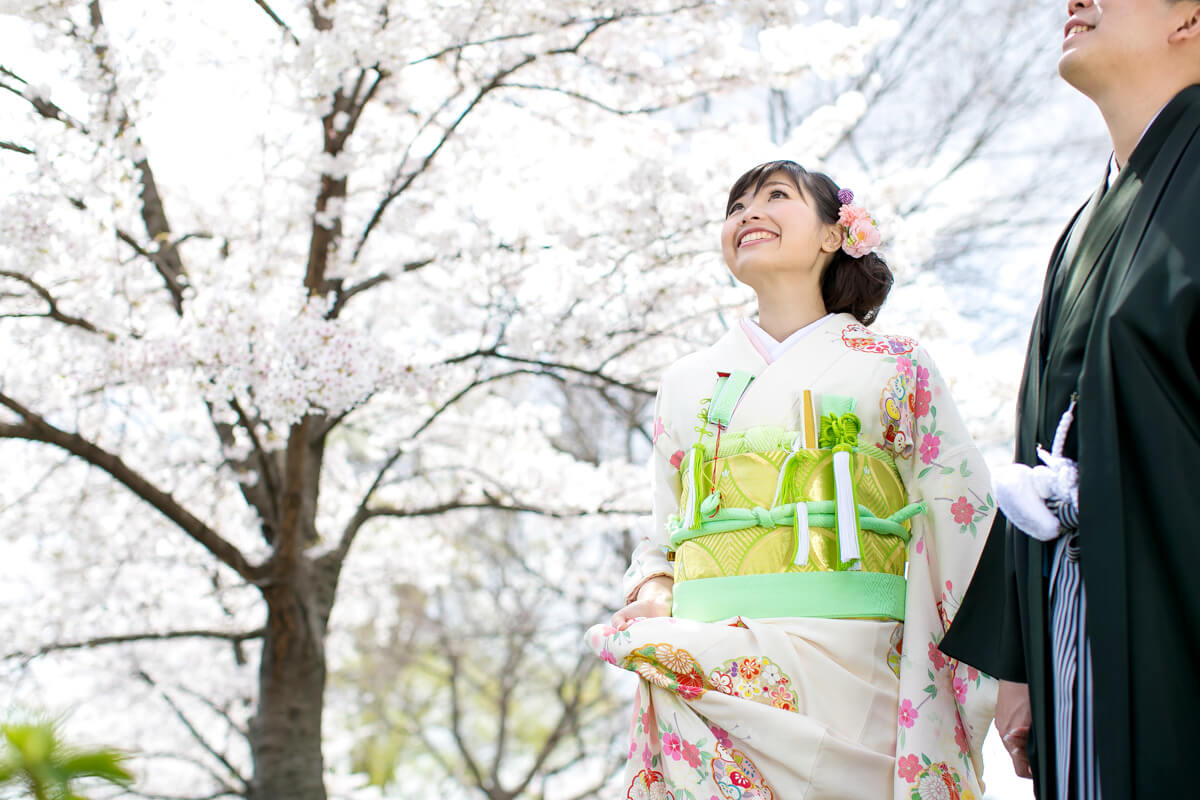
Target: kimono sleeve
649 557
945 706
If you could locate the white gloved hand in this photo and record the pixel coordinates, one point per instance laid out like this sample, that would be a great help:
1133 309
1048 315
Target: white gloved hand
1021 493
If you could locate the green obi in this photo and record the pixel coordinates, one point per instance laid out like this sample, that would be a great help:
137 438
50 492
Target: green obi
771 542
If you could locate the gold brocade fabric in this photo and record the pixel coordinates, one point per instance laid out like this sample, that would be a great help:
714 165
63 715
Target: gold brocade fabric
748 480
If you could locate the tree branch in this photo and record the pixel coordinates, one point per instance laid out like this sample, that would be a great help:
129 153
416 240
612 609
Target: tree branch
494 352
342 296
199 739
276 19
100 641
54 313
35 428
16 148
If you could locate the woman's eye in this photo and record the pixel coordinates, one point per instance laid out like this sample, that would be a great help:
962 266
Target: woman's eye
735 207
777 193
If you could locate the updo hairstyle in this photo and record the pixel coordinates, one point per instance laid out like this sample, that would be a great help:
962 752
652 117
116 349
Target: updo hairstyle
854 285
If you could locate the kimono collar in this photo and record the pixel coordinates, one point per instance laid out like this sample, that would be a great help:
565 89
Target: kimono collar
766 344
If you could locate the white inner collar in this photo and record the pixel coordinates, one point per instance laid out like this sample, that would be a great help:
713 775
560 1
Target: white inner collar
774 349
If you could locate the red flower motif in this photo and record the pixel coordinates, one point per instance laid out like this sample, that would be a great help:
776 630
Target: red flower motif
740 779
908 766
936 657
677 459
960 738
922 397
691 754
960 690
690 685
963 511
972 673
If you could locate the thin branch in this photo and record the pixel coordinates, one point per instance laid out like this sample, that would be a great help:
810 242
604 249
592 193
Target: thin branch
395 191
275 18
623 112
493 352
41 105
456 712
196 735
493 504
35 428
16 148
44 293
100 641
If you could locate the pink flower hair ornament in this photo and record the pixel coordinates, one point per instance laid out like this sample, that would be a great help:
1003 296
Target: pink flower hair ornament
862 234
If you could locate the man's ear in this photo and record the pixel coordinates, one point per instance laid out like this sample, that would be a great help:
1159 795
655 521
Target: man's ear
1187 27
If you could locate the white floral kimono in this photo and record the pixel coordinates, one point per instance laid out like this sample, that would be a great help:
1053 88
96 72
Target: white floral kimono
803 683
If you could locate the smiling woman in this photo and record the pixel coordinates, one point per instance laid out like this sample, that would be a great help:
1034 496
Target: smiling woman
809 534
809 261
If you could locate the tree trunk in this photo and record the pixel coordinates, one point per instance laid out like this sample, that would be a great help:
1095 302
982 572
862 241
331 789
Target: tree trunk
285 735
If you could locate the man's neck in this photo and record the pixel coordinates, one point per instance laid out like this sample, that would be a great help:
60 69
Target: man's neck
1128 114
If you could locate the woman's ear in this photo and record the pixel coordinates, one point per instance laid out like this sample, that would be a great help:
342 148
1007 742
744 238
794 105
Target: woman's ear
835 235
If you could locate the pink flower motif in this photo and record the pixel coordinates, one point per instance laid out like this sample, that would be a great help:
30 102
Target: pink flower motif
922 377
632 749
936 657
609 657
949 586
960 738
904 366
691 754
930 446
848 215
648 721
722 735
921 400
908 766
960 690
672 746
861 234
677 459
920 546
646 760
908 714
658 428
963 511
972 673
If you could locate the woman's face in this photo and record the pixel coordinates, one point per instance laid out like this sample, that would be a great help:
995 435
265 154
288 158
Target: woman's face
776 232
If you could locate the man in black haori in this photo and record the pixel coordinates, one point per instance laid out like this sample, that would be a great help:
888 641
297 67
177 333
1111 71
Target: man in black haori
1093 622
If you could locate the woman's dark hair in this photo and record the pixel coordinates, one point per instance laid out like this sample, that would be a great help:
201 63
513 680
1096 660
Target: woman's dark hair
854 285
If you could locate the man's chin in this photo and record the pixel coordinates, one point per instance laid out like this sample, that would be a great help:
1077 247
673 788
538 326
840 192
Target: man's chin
1073 69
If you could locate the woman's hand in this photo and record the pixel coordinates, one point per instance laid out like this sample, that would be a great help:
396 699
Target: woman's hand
653 600
1013 719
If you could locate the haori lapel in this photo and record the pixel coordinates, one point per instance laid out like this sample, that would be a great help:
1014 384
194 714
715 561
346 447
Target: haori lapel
1111 211
1165 153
